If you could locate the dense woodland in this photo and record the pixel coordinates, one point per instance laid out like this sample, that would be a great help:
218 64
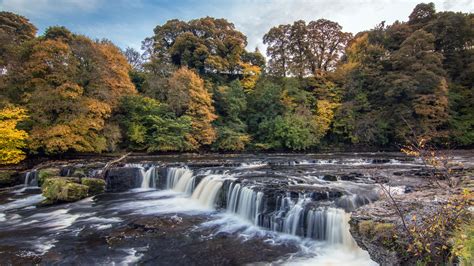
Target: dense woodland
194 87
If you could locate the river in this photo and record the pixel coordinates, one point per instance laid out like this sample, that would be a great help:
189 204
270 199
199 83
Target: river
203 210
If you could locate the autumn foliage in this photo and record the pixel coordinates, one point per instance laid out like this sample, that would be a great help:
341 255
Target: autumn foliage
12 139
195 87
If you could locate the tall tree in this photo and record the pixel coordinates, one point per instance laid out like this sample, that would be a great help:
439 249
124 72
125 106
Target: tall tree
278 49
326 43
197 105
298 48
134 58
207 45
231 105
301 50
73 84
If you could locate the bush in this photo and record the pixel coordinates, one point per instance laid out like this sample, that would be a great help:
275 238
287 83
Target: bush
463 247
57 189
96 185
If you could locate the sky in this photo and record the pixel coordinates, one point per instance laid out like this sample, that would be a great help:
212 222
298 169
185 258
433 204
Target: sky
128 22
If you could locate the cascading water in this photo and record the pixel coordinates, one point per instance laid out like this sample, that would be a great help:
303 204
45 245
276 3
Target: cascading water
291 216
208 189
148 178
31 178
330 224
180 179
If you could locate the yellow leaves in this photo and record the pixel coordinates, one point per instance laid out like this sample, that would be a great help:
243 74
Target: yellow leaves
12 139
325 115
251 74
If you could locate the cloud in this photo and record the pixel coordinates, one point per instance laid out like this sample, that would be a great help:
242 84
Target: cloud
48 8
128 22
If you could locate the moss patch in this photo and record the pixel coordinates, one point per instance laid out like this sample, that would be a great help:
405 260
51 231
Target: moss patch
57 189
96 185
383 233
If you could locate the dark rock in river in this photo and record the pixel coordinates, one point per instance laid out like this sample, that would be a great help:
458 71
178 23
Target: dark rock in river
330 177
351 176
123 178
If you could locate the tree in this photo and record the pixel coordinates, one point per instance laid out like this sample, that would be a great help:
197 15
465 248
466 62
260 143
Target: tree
134 58
326 42
301 50
277 41
207 45
294 132
421 66
421 14
298 48
188 96
14 31
231 105
73 85
150 126
12 140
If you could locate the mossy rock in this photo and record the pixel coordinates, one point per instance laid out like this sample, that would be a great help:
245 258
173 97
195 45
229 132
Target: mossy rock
46 173
7 178
56 189
79 172
96 185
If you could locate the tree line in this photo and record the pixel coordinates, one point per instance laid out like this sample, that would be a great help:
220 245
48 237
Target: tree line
194 87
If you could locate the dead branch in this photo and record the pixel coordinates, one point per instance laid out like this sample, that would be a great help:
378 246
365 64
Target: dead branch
111 163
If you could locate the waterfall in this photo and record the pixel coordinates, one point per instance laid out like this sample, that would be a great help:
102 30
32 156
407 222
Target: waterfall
180 179
208 189
291 216
331 225
292 223
31 178
148 177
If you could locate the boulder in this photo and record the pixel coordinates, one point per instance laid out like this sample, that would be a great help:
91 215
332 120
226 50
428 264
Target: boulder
57 189
351 176
330 177
123 178
46 173
96 185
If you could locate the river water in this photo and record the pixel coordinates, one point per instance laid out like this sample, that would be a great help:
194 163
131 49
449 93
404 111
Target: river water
204 210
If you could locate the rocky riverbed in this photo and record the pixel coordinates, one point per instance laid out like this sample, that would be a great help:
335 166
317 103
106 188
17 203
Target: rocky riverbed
207 209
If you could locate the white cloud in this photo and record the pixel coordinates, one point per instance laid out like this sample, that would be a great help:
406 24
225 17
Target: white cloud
128 22
255 18
36 8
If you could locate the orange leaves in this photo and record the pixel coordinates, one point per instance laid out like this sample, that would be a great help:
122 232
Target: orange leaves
187 95
70 91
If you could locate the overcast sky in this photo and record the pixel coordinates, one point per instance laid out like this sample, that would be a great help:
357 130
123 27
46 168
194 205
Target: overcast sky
128 22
